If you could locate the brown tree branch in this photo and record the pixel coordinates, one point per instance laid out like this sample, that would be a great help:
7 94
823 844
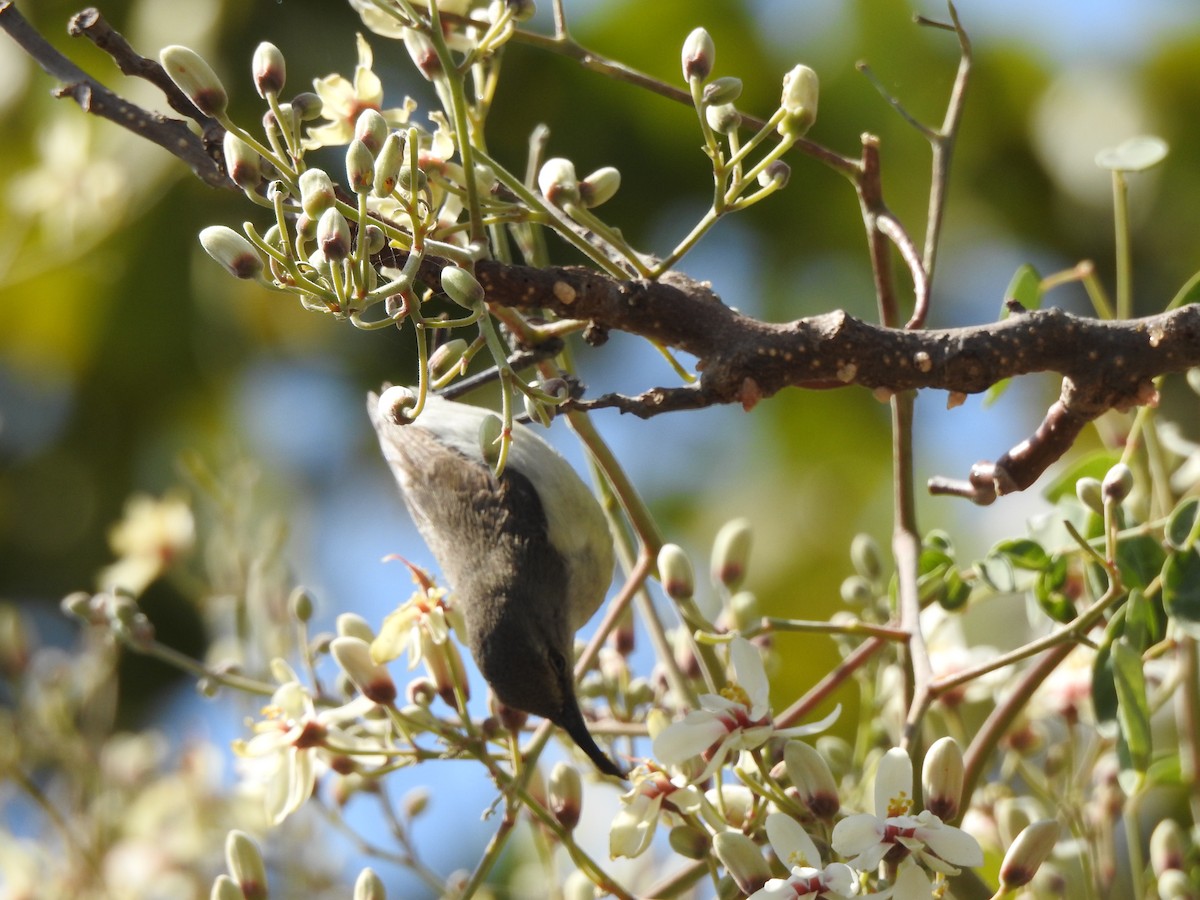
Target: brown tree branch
172 135
1104 364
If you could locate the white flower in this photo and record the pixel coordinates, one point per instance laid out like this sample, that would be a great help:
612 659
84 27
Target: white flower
866 839
634 826
344 101
421 628
151 536
738 719
808 878
290 743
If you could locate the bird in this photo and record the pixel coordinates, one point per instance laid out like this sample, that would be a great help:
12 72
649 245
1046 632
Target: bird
528 554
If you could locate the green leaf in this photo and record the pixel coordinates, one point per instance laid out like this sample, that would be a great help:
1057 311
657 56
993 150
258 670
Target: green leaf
1181 523
1023 554
958 592
1049 593
1104 690
1146 623
1133 709
1181 588
1026 288
1140 559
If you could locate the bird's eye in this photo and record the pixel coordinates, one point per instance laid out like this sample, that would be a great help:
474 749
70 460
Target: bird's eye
559 663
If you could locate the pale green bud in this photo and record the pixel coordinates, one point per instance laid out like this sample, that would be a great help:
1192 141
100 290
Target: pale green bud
333 235
856 591
245 864
316 192
195 77
743 607
373 239
690 842
239 257
490 430
722 90
731 553
558 182
242 162
799 101
301 604
865 556
462 287
307 106
360 167
1089 492
369 886
372 129
447 356
775 174
269 68
1031 848
1117 484
675 572
698 55
723 118
565 794
81 605
742 860
415 802
599 187
388 163
942 778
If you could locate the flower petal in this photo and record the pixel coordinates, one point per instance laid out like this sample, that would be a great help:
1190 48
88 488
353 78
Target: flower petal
689 737
791 842
751 675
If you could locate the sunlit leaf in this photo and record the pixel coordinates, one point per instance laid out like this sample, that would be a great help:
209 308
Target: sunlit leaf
1133 709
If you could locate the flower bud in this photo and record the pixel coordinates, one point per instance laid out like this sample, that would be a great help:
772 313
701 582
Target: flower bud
698 55
675 572
490 431
776 175
242 162
447 356
352 624
372 129
856 591
269 68
558 182
225 888
731 553
83 606
812 779
372 679
742 860
301 604
360 167
374 240
1089 492
316 192
743 609
423 53
723 118
1168 847
369 886
307 106
388 163
1027 853
462 287
245 864
566 794
599 187
690 842
942 778
333 235
1117 483
195 77
722 90
799 101
420 691
865 556
1174 884
239 257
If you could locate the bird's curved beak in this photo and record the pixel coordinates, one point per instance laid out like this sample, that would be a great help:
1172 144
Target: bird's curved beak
570 719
